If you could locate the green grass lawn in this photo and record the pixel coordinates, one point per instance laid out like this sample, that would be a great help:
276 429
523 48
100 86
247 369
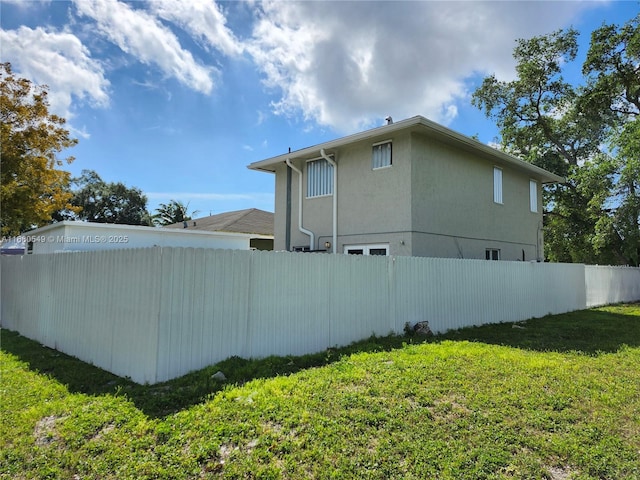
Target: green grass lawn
552 398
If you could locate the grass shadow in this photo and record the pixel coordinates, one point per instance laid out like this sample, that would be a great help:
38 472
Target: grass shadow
162 399
590 332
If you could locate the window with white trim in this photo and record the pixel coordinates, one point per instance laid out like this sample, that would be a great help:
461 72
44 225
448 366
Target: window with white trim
378 249
533 196
319 178
492 254
497 185
381 155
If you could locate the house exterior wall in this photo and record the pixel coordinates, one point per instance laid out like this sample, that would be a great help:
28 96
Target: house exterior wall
280 208
436 200
316 212
453 210
373 205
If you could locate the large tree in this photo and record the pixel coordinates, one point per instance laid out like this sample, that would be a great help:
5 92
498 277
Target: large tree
612 69
584 133
106 202
32 187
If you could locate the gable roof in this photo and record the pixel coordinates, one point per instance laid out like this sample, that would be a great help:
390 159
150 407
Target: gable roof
417 124
251 220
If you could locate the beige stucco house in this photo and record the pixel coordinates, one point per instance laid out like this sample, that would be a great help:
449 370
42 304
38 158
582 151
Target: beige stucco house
408 188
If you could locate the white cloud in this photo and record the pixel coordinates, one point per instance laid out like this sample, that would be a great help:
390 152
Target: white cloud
346 65
59 60
140 34
261 118
79 132
201 18
349 64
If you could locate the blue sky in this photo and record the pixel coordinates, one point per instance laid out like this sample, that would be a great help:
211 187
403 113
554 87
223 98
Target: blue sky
177 97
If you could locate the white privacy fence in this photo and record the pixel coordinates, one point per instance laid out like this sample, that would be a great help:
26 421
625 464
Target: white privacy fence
606 285
158 313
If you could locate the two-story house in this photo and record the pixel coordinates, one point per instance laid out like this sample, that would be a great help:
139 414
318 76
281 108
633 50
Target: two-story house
408 188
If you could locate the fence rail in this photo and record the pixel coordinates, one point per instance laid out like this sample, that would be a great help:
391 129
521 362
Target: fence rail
158 313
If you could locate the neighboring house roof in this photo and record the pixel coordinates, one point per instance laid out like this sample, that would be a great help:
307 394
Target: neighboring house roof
251 220
418 124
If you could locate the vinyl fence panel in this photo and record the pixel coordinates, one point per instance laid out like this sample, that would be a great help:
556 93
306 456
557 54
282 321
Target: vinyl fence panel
606 285
452 293
157 313
97 306
204 306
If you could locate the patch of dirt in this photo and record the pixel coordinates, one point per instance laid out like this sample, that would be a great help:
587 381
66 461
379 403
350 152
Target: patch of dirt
45 430
559 473
225 451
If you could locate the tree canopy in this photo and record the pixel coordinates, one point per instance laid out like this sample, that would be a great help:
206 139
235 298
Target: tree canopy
588 133
32 188
102 202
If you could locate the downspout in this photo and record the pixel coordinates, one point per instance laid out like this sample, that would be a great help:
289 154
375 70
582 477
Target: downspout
539 243
312 239
287 215
334 241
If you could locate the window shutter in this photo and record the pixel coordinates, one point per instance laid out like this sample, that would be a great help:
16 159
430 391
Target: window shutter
319 178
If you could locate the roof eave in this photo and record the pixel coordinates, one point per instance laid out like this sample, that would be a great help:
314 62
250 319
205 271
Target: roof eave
541 174
264 165
269 165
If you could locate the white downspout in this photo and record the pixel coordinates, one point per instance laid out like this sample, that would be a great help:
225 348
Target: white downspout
539 243
334 241
312 238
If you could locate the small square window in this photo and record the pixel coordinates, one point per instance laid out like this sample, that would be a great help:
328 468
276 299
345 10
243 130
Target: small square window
381 156
492 254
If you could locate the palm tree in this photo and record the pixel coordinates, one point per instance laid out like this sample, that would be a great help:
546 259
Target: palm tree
172 212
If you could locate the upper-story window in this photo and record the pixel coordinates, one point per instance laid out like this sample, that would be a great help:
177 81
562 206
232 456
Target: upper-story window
533 196
497 185
319 178
381 156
